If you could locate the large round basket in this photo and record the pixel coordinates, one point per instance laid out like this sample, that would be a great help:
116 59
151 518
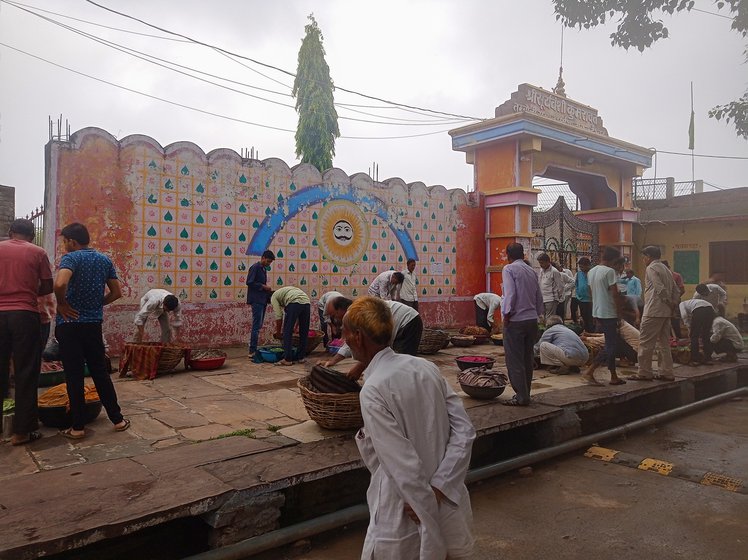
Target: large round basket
331 411
312 341
432 341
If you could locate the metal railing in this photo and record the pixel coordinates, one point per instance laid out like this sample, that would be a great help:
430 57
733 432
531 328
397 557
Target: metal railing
37 216
550 193
661 188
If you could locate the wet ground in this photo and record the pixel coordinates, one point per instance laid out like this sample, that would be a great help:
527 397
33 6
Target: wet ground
582 507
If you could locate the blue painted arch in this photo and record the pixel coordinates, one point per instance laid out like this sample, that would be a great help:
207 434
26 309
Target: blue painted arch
318 194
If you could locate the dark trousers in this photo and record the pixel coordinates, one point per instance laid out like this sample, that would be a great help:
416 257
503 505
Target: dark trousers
585 310
701 328
325 327
675 323
81 344
609 327
519 339
295 313
413 304
19 339
258 318
724 346
574 309
408 338
481 317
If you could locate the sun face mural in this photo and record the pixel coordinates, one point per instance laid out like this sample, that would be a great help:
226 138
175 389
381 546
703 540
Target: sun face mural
342 232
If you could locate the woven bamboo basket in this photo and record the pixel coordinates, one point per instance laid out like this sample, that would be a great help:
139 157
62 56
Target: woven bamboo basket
171 354
332 411
432 341
311 342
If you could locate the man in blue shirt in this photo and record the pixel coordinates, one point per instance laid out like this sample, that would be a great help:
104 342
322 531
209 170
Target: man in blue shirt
258 296
584 296
607 304
79 289
522 304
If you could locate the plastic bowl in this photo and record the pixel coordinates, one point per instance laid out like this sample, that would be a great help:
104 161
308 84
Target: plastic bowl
271 354
464 362
207 363
484 393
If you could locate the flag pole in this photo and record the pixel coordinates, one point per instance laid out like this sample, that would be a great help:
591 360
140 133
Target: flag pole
691 144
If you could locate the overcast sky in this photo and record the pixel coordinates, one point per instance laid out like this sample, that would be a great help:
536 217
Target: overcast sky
463 57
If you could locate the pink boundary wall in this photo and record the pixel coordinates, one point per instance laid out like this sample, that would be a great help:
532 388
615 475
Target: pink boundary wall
180 219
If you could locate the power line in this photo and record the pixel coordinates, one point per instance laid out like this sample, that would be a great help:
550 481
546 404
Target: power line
266 65
702 155
712 13
203 111
147 58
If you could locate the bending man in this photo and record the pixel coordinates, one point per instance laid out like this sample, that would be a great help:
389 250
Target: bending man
159 304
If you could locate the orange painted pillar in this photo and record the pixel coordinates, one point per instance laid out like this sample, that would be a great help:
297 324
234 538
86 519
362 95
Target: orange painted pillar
505 183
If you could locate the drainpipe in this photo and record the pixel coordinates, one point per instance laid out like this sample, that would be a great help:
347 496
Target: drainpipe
288 535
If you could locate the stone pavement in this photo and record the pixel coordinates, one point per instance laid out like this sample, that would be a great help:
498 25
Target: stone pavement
242 398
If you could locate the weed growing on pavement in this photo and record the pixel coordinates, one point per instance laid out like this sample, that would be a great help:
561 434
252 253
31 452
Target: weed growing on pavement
248 432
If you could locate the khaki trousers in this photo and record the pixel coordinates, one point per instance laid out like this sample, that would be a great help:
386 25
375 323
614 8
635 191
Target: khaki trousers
552 355
655 331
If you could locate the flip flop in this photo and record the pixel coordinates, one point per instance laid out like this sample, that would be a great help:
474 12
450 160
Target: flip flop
124 427
617 382
591 382
33 436
638 377
283 363
68 433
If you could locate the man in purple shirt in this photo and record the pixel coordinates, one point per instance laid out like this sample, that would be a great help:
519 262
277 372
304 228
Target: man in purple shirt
522 304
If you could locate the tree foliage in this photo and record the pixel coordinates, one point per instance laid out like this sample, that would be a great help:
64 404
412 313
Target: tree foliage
639 27
313 89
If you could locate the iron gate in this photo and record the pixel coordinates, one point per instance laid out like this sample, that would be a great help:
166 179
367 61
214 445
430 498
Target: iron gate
564 236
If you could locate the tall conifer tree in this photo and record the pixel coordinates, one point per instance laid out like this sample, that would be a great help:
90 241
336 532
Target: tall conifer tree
313 89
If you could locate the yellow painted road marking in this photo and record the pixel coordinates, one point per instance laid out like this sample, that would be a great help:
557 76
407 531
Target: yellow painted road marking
601 453
726 482
666 468
661 467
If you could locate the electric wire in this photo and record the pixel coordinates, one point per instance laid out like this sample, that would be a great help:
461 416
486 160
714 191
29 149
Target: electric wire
147 58
204 111
266 65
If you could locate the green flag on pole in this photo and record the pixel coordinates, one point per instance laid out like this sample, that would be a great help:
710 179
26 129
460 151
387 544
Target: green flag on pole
690 132
690 125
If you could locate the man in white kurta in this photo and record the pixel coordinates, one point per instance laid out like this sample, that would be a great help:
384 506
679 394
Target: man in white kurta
416 441
160 304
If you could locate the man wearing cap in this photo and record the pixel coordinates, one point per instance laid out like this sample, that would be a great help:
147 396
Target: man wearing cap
258 296
25 274
160 304
661 295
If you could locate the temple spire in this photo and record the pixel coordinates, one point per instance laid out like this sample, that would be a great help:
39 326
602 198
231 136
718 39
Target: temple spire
559 89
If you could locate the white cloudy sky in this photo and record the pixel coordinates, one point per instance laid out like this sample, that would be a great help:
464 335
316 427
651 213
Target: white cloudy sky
462 57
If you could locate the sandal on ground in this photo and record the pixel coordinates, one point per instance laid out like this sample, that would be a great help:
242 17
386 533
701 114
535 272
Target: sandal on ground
283 363
513 402
68 433
638 377
123 427
664 378
32 436
592 382
618 381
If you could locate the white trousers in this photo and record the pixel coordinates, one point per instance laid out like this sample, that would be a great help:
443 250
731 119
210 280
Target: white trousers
552 355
